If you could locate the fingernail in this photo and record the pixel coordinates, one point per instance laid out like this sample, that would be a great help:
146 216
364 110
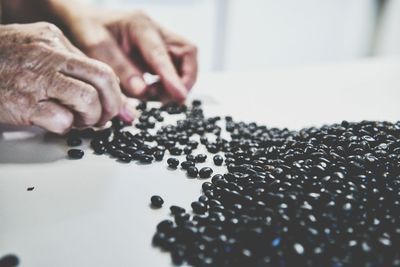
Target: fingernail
127 114
137 84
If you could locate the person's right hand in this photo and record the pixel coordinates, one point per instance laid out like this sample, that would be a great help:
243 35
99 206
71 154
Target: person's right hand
46 81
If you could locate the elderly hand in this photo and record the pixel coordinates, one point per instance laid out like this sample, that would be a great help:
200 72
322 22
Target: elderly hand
132 44
46 81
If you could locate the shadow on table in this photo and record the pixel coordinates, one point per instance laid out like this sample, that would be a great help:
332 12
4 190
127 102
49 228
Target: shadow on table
29 145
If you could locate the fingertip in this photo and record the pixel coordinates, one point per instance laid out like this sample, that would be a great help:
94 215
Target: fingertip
136 85
176 89
62 123
128 112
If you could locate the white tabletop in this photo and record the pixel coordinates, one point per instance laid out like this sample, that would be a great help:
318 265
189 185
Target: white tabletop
95 211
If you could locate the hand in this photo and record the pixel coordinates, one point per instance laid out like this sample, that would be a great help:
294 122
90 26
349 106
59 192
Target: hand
132 44
46 81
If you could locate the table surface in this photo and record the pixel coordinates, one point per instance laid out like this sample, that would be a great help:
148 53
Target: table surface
95 211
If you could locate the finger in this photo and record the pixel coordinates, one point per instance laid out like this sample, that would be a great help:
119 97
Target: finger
129 111
130 75
156 55
186 52
102 78
52 117
80 97
188 67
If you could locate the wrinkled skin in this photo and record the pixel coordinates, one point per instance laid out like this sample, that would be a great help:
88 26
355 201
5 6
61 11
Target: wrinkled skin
46 81
132 44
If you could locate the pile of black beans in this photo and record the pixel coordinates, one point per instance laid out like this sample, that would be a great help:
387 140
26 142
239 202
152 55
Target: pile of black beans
326 196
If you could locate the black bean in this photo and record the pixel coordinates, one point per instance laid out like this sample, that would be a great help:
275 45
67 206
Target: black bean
177 210
137 154
159 155
199 207
218 160
99 150
207 186
193 144
192 171
146 158
173 162
181 218
74 141
9 260
205 172
125 158
75 153
187 150
186 164
177 257
156 201
201 158
141 106
159 118
176 151
119 153
196 103
190 158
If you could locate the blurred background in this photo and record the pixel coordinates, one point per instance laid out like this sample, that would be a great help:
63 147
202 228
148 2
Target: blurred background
259 34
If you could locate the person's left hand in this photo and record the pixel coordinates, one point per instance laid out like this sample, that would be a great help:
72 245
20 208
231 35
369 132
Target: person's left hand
133 44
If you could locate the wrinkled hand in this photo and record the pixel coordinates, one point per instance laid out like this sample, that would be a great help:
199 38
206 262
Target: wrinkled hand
132 44
46 81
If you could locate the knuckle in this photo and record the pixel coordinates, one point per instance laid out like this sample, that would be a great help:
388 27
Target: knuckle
106 69
53 29
89 98
50 27
107 75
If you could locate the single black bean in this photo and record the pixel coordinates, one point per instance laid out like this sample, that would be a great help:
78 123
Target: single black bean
199 207
201 158
218 160
146 158
173 162
159 155
74 141
156 201
192 171
205 172
176 210
75 153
